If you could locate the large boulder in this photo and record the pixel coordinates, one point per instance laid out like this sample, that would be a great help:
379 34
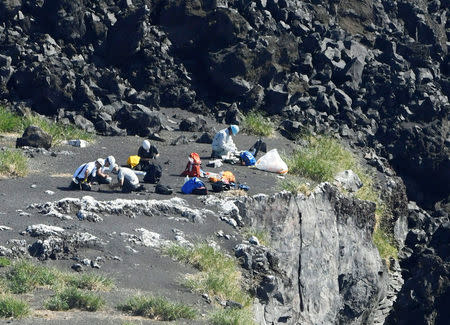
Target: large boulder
34 137
139 120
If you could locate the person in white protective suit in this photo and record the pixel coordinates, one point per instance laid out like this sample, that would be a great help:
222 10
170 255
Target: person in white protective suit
223 142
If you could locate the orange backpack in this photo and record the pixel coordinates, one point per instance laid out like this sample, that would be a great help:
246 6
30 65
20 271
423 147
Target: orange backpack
193 166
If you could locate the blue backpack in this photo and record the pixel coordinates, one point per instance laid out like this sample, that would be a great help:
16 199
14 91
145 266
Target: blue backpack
192 184
247 158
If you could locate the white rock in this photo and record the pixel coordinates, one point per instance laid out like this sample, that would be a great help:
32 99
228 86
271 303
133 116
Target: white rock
49 192
78 143
3 228
348 180
44 230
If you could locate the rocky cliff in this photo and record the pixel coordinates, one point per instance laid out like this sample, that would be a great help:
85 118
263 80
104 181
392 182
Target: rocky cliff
373 72
321 267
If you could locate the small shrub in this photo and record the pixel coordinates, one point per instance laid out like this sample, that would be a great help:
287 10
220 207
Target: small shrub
157 308
219 274
13 163
11 307
71 297
25 277
4 261
91 282
255 123
232 317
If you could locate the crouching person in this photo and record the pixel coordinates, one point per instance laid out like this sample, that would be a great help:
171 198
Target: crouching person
85 174
126 180
102 177
223 142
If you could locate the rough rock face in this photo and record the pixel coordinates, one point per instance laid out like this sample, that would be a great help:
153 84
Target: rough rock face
425 262
322 267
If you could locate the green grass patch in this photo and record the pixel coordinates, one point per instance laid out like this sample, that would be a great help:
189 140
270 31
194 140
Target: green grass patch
257 124
92 282
70 298
11 122
219 274
157 308
232 317
4 261
385 244
261 234
321 160
13 163
25 277
11 307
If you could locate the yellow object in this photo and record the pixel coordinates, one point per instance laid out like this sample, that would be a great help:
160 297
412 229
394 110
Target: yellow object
133 161
228 176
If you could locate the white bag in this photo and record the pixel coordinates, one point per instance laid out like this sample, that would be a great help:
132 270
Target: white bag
272 162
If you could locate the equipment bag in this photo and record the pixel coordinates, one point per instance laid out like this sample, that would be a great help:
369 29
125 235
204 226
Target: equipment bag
163 189
191 185
228 177
220 186
153 173
200 191
133 161
247 158
193 166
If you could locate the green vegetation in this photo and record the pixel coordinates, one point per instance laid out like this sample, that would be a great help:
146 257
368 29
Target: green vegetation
157 308
384 243
4 261
294 185
13 163
24 277
92 282
71 297
261 234
255 123
12 307
219 274
232 317
11 122
320 161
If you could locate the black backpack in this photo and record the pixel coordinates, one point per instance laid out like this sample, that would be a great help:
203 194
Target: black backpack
220 186
153 173
163 189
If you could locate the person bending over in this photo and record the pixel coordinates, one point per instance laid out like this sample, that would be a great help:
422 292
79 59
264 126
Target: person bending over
223 142
102 177
146 152
85 174
126 180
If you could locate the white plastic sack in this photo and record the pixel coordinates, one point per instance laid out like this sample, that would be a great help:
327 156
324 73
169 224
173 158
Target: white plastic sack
272 162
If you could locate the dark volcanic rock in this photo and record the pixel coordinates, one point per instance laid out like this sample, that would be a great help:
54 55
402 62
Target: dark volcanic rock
140 120
35 137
